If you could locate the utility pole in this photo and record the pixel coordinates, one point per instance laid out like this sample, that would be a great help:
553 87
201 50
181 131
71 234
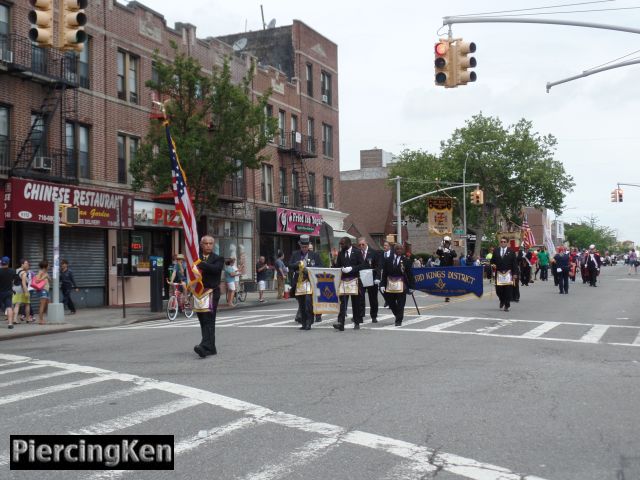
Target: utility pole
55 310
398 212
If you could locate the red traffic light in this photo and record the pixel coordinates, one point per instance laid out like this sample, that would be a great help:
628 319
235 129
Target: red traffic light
441 48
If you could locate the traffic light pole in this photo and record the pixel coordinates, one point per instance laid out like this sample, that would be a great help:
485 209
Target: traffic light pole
55 310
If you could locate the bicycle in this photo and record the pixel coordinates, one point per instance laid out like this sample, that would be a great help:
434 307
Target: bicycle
240 295
179 301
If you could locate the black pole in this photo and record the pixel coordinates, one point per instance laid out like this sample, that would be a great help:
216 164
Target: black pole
415 303
124 307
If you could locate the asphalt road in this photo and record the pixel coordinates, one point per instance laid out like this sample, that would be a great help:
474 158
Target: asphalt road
549 390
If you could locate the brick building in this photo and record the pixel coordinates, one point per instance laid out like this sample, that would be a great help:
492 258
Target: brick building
70 124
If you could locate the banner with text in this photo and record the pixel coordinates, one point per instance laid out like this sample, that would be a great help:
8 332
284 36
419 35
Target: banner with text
298 223
324 289
449 281
32 201
440 216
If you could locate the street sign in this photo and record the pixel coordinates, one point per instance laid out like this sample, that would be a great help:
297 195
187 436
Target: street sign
458 231
471 237
403 223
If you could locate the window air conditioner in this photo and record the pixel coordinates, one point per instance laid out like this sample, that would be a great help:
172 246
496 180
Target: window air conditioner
325 98
285 199
42 163
332 205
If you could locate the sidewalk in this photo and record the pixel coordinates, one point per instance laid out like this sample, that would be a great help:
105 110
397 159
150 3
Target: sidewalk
112 317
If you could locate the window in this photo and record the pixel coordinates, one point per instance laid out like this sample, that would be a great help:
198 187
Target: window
268 113
77 66
4 139
127 151
234 239
309 79
295 190
294 123
267 183
155 75
311 127
127 77
325 83
312 189
328 192
283 184
4 28
38 137
141 248
327 140
281 125
77 144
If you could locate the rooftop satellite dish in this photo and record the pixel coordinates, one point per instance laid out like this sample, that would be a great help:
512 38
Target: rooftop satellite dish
272 23
239 44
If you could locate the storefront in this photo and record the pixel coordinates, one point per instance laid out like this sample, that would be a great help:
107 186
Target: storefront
234 239
280 230
29 210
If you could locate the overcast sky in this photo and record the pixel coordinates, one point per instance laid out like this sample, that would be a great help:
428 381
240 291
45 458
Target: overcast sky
388 99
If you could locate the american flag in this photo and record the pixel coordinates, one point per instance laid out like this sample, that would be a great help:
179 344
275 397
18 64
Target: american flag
527 234
185 207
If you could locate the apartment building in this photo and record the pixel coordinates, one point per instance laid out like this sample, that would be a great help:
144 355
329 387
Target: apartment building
70 124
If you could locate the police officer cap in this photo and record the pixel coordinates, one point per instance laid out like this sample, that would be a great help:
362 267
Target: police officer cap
304 240
447 239
592 246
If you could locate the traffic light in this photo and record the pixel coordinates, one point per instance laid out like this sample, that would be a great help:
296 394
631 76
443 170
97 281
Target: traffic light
463 62
614 195
443 65
620 195
72 21
70 215
41 17
477 197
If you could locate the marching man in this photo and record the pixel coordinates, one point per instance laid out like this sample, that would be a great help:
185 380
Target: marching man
397 282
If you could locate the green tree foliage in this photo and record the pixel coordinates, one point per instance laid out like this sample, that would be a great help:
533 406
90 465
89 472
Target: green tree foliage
218 125
514 166
588 232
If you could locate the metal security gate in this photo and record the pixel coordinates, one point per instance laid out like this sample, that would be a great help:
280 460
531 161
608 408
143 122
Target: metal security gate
84 248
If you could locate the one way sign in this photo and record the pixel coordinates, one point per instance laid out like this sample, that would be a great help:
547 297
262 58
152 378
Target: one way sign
403 223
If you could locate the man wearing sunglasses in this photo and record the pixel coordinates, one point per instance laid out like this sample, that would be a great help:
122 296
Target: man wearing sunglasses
506 272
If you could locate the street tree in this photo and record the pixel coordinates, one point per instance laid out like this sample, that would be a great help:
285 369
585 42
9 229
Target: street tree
514 166
589 232
219 127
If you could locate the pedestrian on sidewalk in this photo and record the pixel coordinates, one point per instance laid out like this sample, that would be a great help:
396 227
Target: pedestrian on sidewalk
67 283
230 274
209 267
6 288
281 273
22 292
262 271
40 284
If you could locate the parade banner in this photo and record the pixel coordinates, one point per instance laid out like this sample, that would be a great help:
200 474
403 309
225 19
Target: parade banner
440 215
324 289
449 281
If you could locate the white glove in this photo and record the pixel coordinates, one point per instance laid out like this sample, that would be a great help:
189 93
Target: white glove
382 289
377 282
445 250
346 269
409 292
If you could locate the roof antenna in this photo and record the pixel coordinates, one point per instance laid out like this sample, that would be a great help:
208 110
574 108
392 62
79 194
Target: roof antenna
264 26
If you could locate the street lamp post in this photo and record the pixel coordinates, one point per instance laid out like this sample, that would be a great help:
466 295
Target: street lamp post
464 196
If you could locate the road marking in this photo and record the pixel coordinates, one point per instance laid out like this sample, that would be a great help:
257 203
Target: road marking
595 334
540 330
49 390
21 369
637 340
136 418
494 327
35 378
455 464
441 326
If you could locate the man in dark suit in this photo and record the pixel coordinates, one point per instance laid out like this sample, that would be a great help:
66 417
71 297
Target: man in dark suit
593 263
504 260
300 260
350 260
210 267
372 260
396 272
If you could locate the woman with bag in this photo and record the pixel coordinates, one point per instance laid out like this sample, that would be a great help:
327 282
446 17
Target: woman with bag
40 284
22 292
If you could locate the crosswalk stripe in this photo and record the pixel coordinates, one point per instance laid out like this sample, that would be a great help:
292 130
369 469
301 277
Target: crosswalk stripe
21 369
494 327
442 326
35 378
16 397
637 340
595 334
540 330
255 320
136 418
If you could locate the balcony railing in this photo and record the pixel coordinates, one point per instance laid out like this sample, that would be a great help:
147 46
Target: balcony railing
298 143
18 54
48 163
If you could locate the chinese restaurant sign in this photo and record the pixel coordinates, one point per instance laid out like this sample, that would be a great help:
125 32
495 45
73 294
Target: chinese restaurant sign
31 201
298 223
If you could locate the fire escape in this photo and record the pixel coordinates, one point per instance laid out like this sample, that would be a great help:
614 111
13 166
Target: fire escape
299 147
37 155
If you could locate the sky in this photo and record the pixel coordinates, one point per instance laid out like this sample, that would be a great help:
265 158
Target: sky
388 100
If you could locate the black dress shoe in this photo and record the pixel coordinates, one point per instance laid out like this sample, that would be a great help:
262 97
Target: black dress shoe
339 326
356 326
199 349
374 320
501 305
398 324
506 309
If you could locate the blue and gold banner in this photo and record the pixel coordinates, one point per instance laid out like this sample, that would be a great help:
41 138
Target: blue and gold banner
324 289
449 281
